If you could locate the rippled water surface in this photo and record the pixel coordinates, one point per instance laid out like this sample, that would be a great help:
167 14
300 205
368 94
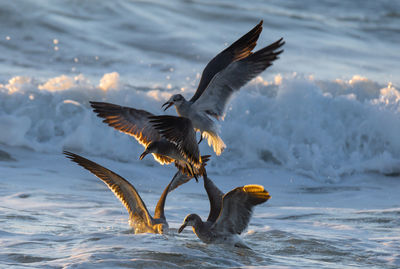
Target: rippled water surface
61 216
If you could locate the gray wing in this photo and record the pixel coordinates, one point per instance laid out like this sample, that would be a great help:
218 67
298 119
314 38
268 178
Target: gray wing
219 91
237 207
122 189
178 179
215 196
238 50
180 131
134 122
159 210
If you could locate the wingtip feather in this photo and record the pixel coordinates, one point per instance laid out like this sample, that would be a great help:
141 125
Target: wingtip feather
257 193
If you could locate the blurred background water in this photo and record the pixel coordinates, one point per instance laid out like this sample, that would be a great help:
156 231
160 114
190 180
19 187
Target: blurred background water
144 40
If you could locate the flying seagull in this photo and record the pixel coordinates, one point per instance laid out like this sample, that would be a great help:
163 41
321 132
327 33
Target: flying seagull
224 75
229 214
168 138
139 217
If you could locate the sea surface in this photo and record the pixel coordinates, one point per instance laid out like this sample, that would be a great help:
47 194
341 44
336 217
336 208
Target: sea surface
319 129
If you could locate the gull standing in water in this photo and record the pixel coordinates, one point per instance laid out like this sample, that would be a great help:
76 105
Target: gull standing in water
139 217
168 138
229 214
225 74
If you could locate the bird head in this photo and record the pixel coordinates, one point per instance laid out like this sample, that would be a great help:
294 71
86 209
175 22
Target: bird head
175 99
151 148
190 220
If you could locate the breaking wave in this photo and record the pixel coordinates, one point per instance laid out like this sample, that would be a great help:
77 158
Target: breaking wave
324 129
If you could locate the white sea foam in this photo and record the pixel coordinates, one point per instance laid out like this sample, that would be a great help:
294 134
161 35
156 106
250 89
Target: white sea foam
321 128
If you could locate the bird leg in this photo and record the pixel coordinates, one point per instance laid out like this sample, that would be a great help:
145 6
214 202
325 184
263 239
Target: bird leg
191 170
201 139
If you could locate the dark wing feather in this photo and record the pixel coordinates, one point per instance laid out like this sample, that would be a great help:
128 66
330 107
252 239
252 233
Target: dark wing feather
237 51
215 196
134 122
122 189
221 88
237 207
179 130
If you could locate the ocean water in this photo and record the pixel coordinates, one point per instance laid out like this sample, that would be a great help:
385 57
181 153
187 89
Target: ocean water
319 129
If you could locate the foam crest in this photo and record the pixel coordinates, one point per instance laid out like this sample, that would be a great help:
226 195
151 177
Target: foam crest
324 129
328 130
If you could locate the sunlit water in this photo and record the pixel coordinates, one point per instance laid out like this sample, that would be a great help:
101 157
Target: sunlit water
319 129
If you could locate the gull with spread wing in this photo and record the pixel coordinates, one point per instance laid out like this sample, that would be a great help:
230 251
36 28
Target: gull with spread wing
229 214
168 138
139 217
224 75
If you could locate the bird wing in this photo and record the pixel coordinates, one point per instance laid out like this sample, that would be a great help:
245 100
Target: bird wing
178 179
237 207
229 80
159 210
122 189
134 122
238 50
179 131
215 196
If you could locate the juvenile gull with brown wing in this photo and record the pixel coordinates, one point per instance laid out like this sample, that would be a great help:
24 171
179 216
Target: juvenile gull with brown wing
224 75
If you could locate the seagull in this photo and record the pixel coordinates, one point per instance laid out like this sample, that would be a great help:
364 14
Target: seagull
139 217
224 75
229 214
168 138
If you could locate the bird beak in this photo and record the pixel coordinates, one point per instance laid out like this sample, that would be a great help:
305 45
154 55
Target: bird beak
182 227
167 104
143 155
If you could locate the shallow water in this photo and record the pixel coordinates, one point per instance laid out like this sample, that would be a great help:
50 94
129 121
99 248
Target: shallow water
65 217
319 129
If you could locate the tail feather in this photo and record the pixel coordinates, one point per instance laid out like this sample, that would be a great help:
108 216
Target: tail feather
215 141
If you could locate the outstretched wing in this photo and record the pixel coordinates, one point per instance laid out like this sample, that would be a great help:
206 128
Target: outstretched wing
134 122
219 91
179 130
215 196
238 50
178 179
237 207
124 191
